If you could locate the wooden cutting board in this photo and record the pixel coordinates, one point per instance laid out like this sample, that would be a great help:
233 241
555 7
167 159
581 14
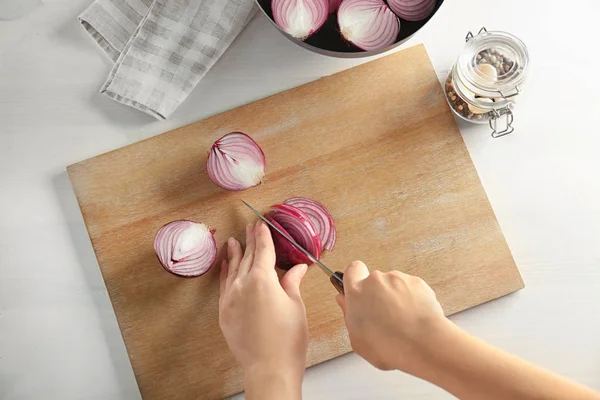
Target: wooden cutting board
377 144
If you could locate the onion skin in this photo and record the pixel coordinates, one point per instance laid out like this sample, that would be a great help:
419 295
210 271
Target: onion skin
236 162
412 10
368 24
185 248
300 18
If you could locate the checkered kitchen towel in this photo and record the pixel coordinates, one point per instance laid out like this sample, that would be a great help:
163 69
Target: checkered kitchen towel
162 48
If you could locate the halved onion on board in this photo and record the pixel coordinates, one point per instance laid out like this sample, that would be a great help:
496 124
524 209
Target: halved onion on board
236 162
300 18
320 217
185 248
368 24
306 221
299 226
286 255
412 10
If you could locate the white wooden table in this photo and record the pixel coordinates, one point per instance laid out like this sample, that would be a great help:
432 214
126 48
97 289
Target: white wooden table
58 334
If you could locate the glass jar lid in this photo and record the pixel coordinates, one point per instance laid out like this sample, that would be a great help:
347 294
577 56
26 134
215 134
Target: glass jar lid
493 64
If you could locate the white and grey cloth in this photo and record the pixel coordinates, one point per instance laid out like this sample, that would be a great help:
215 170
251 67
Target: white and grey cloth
162 48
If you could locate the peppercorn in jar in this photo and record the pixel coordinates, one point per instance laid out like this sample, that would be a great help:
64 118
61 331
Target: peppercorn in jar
484 82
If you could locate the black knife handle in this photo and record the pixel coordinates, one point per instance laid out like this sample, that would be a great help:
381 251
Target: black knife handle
337 284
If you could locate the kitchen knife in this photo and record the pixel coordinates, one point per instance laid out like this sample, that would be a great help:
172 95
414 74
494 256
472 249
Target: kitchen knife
336 278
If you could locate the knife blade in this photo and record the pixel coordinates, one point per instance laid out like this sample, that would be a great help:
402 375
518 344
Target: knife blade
336 278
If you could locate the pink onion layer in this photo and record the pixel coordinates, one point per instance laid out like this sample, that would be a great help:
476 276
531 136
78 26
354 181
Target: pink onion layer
236 162
300 18
320 217
185 248
334 5
412 10
368 24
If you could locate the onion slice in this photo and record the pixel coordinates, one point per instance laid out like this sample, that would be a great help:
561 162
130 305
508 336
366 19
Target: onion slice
300 18
236 162
320 217
299 226
185 248
412 10
368 24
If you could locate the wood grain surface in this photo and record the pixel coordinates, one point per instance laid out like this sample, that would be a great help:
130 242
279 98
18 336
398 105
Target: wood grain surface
377 144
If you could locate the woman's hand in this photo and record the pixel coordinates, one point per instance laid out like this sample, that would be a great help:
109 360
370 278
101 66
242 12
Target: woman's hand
263 319
395 322
393 319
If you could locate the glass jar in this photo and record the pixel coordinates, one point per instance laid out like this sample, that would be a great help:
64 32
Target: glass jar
484 82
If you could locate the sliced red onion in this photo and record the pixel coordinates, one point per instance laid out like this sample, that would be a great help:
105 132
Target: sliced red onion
412 10
320 217
368 24
299 226
236 162
286 255
300 18
185 248
334 5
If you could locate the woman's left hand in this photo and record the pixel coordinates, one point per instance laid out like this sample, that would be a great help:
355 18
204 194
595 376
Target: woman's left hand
263 320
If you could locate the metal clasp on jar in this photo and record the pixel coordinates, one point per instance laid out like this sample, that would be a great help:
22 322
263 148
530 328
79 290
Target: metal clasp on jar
493 121
470 34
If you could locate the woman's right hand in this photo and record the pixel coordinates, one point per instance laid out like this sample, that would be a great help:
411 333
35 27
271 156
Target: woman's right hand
395 322
393 319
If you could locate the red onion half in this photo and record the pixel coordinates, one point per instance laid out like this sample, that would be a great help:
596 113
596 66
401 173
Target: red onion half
236 162
300 227
286 255
307 222
412 10
300 18
185 248
320 217
368 24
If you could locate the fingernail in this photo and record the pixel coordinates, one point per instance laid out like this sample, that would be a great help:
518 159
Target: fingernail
230 242
258 223
249 228
302 267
